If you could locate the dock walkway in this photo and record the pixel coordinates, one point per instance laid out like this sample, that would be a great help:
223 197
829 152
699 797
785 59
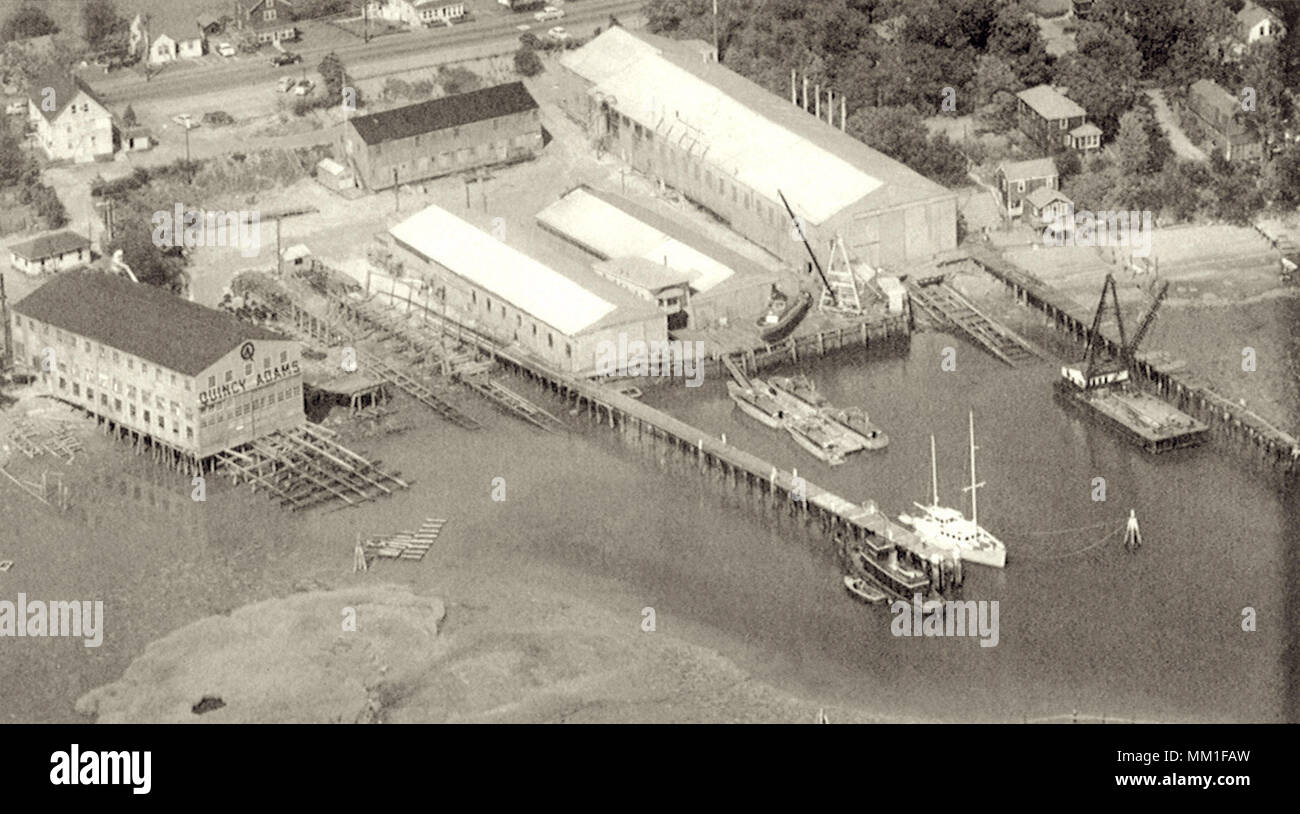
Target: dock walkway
946 306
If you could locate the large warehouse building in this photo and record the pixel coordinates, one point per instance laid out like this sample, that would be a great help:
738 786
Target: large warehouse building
190 378
563 316
672 112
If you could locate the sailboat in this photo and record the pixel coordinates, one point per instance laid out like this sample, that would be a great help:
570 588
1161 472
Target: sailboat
948 528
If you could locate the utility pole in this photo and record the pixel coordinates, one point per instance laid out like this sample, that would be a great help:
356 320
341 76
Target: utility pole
716 53
8 359
397 204
187 141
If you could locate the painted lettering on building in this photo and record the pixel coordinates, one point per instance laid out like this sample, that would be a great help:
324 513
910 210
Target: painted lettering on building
224 391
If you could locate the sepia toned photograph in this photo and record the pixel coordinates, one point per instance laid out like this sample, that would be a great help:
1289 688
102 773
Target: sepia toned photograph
649 362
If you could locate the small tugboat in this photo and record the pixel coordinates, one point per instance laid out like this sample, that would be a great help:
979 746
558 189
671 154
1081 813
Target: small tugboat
861 590
758 403
814 435
783 316
855 420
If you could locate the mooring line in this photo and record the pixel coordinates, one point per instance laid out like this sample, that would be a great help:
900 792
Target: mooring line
1074 553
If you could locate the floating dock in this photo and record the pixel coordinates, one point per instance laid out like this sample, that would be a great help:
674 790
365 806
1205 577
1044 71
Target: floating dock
1139 417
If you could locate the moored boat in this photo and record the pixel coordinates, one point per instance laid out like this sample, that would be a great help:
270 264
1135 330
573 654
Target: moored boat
757 404
815 436
860 589
775 325
800 387
855 420
949 529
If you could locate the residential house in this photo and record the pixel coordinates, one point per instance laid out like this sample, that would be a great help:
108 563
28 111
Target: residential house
1018 179
1218 111
1053 120
455 133
416 12
55 251
71 123
168 34
1255 23
1050 207
209 24
266 20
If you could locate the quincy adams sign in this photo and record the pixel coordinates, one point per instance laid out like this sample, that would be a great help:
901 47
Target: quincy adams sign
224 391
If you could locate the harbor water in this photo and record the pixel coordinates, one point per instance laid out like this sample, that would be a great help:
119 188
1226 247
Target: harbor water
1152 634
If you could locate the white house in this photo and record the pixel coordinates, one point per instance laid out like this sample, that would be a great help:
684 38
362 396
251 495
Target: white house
416 12
55 251
168 35
71 123
1255 23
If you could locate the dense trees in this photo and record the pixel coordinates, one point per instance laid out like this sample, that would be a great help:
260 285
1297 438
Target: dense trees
900 133
103 28
527 63
27 21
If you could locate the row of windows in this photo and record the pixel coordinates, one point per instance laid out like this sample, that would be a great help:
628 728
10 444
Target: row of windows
519 322
147 414
231 414
229 374
95 350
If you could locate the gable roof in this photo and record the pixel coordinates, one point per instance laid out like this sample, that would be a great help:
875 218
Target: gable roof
1210 94
743 130
65 87
177 23
139 319
440 114
530 286
1050 103
1042 196
50 245
1251 15
1025 170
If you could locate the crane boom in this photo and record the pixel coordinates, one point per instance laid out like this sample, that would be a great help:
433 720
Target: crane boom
1131 352
795 220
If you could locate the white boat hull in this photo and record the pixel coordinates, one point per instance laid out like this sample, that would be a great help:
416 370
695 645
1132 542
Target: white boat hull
990 551
755 413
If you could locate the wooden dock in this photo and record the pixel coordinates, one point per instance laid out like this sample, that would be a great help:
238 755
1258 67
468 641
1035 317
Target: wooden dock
1279 449
406 545
415 389
305 467
947 307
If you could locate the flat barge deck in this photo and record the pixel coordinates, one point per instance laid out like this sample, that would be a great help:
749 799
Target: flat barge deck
1139 417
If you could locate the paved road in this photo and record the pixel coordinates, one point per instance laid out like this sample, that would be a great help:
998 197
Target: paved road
128 86
1178 140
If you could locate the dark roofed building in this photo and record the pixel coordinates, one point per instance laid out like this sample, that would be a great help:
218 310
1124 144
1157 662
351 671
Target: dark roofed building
1219 113
190 377
51 252
428 139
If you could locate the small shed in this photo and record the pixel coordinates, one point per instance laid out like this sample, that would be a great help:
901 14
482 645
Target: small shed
297 255
137 138
333 175
54 251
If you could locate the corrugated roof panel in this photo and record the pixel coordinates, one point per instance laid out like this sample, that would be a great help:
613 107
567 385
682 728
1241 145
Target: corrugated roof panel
493 266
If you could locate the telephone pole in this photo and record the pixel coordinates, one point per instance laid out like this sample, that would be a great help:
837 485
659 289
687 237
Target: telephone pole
8 359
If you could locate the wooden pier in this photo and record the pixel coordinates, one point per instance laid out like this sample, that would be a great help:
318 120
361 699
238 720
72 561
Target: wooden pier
1279 449
305 467
947 307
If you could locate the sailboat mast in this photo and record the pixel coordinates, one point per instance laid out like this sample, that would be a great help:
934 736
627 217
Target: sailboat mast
934 474
974 487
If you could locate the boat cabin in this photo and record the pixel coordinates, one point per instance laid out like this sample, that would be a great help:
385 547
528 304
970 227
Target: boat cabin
1099 378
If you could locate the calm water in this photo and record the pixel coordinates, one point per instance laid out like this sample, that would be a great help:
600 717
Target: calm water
1149 635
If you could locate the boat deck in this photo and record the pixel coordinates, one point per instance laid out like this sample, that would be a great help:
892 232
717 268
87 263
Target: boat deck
1154 423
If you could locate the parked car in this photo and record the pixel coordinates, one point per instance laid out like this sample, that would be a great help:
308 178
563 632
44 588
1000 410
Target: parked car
549 13
285 84
558 34
287 58
15 108
184 120
303 87
226 49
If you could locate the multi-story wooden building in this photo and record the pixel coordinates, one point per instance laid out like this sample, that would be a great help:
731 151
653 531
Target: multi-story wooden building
668 109
190 378
494 125
1054 121
416 12
1220 116
266 20
71 123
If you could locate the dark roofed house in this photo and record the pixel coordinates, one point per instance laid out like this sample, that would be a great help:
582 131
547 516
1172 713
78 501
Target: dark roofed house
1217 111
1053 120
412 143
193 378
1018 179
55 251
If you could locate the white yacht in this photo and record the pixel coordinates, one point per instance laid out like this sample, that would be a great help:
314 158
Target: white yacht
948 528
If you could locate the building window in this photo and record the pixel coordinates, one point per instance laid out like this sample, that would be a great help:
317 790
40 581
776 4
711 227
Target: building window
1063 123
266 363
248 368
284 356
76 389
550 340
473 295
146 416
